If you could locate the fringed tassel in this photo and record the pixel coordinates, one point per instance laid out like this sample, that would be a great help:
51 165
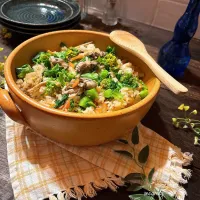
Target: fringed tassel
62 196
52 197
100 184
71 193
118 181
111 184
187 158
173 176
79 193
89 190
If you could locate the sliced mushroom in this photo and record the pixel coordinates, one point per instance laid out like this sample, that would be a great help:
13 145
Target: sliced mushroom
54 60
72 91
59 61
85 66
96 54
87 83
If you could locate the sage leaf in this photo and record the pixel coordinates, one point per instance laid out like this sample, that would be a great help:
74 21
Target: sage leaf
123 141
135 136
134 176
140 197
144 154
125 153
134 187
167 196
150 176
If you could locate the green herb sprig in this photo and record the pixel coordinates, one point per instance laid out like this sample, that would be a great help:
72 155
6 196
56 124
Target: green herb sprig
141 181
187 122
2 79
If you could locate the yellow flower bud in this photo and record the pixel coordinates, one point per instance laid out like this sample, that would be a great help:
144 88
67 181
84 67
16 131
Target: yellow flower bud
176 124
186 108
181 107
194 112
174 120
196 140
1 49
5 57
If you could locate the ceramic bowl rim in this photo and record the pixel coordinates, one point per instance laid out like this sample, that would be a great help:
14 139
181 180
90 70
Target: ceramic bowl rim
13 86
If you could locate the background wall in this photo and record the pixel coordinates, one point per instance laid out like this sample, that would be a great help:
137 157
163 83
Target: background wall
159 13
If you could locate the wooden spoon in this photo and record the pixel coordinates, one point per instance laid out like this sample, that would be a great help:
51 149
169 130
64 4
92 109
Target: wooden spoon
136 47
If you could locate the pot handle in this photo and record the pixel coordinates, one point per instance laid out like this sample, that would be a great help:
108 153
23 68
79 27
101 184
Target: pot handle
9 107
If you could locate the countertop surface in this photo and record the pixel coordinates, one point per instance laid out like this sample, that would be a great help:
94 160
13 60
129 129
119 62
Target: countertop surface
159 116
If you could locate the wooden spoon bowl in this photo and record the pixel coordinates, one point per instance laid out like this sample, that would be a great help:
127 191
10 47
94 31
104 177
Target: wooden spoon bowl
136 47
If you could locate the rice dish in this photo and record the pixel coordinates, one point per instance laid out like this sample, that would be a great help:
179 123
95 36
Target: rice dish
82 79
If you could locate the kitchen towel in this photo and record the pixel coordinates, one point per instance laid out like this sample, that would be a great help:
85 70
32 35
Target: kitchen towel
41 168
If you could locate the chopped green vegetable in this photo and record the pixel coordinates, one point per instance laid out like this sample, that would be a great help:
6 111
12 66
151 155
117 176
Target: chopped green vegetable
128 80
143 93
117 95
51 87
112 94
71 52
108 93
109 61
104 74
22 71
42 57
86 102
62 44
64 76
92 93
53 72
61 101
110 49
93 76
72 105
61 54
108 83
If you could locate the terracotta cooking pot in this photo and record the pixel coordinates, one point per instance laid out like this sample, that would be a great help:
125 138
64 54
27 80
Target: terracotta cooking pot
65 127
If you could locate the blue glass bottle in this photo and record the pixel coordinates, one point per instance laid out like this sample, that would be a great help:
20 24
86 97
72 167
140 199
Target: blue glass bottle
174 56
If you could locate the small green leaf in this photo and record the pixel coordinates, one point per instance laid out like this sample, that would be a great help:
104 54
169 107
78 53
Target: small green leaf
197 130
134 187
140 197
167 196
125 153
150 176
135 136
144 154
123 141
134 176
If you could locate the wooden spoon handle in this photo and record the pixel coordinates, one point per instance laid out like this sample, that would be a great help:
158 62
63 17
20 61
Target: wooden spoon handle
163 76
136 47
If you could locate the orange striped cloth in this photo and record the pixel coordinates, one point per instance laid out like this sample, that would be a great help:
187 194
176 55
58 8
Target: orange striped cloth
41 168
